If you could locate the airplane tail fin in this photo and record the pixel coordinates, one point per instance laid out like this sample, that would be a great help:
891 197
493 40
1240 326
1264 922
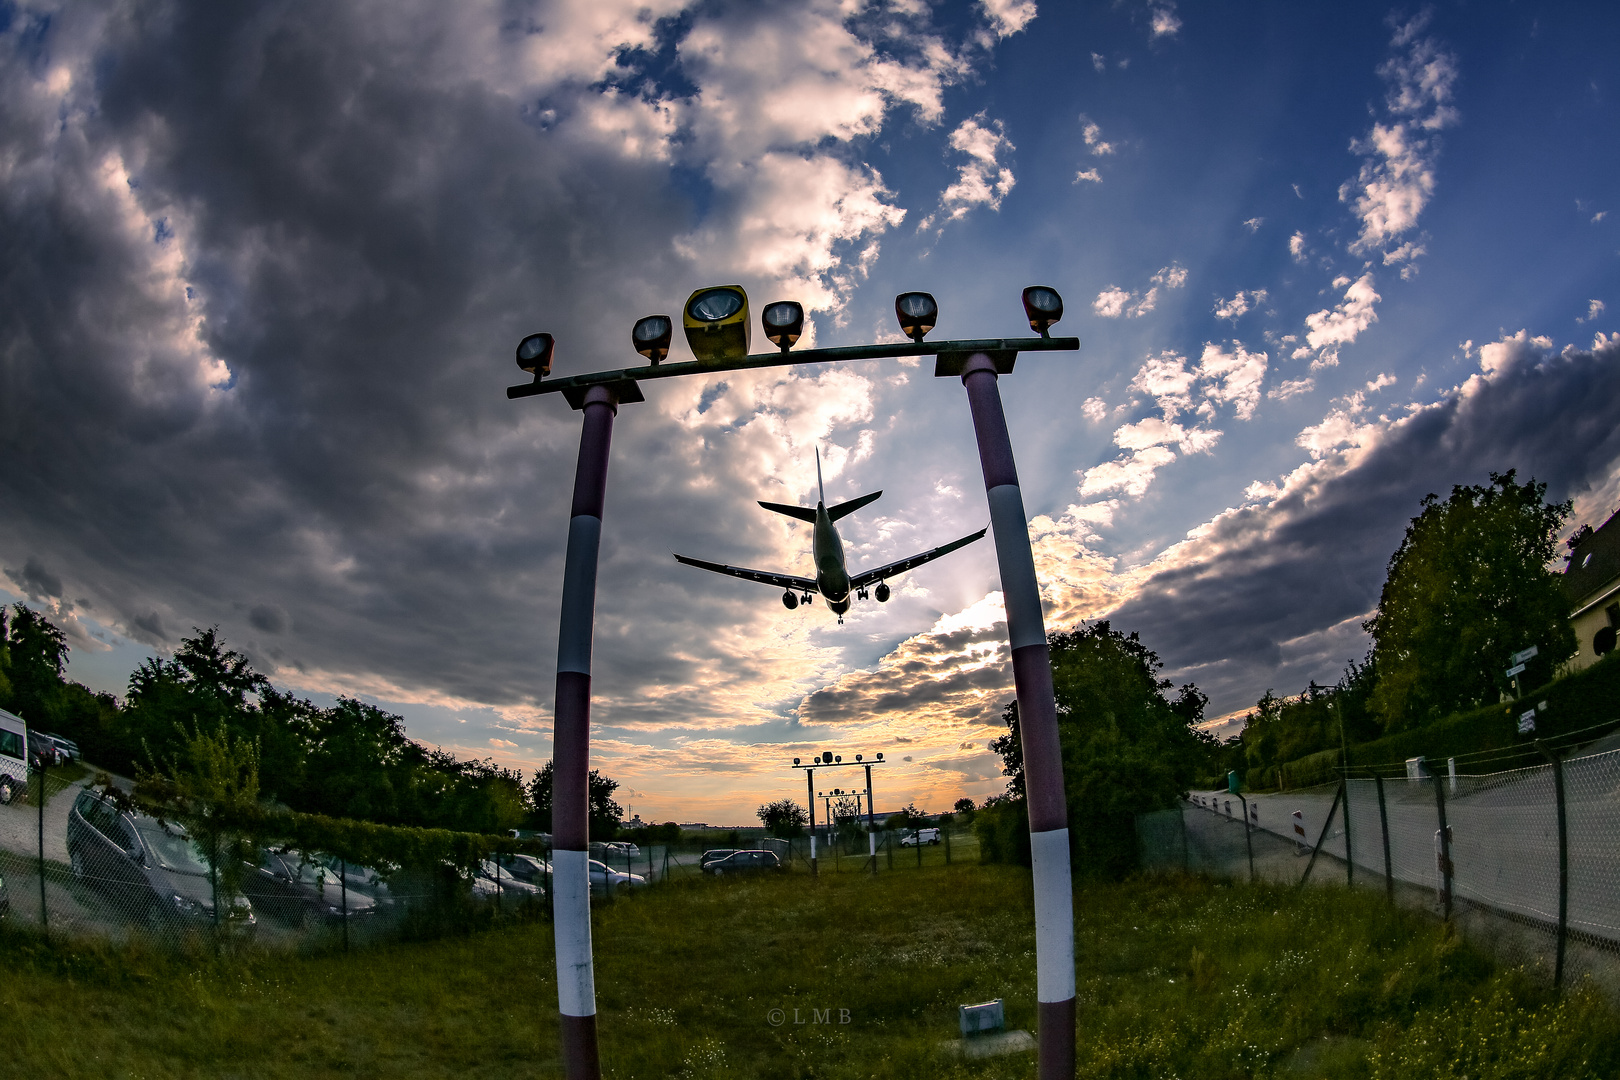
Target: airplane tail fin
845 509
800 512
820 489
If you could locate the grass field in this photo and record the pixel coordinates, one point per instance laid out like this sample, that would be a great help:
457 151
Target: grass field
1178 978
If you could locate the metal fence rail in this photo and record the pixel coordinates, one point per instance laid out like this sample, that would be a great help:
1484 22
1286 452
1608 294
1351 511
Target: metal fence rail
1528 859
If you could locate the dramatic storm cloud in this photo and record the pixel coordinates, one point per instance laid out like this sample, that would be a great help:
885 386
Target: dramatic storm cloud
265 265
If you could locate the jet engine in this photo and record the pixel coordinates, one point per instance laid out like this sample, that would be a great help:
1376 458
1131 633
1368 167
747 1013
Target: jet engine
882 592
789 601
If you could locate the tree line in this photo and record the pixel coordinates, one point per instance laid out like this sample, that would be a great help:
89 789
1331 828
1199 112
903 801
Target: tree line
348 760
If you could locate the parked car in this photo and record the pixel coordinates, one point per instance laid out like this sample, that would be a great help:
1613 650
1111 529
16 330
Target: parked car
606 879
297 888
360 879
918 837
41 750
744 862
67 750
151 869
525 868
624 850
488 883
714 855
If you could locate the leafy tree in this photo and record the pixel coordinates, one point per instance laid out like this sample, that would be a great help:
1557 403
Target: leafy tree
1285 729
907 819
36 655
784 818
605 813
1470 585
1129 745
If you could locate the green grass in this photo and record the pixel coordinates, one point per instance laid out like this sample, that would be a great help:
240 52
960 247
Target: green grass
1178 977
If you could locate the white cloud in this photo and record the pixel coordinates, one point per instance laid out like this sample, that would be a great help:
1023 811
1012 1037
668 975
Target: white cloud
1331 328
1165 22
1131 475
1239 305
984 180
1094 409
1150 299
1234 376
1254 223
1099 62
1599 216
1165 378
1384 379
1110 303
1007 17
1397 178
1173 276
1093 137
1291 388
1296 247
1594 308
1091 175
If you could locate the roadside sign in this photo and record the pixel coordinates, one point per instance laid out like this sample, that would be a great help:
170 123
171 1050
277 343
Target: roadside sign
1514 670
1525 654
1527 721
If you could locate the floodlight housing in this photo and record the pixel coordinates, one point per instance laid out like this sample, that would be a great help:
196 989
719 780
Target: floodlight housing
784 323
1043 306
795 761
651 336
716 323
917 313
880 755
534 354
857 757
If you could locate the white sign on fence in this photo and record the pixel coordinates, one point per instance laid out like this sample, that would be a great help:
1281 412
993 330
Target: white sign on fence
1527 721
1514 670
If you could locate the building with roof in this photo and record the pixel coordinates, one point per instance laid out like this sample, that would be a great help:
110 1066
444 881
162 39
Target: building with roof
1592 580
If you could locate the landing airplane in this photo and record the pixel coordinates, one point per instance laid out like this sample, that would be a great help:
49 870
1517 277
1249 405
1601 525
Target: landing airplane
833 580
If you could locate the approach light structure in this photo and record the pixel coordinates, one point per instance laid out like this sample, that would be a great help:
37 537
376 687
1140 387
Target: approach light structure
716 322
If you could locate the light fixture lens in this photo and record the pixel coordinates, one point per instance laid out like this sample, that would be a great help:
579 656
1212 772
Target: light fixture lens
880 755
784 322
917 313
534 354
857 757
651 336
1043 306
712 305
795 761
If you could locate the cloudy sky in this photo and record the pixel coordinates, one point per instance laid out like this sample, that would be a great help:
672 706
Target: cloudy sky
265 265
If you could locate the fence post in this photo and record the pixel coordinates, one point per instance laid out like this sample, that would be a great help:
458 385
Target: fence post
1383 822
1349 856
1443 837
44 911
1563 861
1248 837
343 886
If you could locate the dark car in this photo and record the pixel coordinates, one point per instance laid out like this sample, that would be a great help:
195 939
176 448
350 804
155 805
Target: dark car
527 868
297 888
150 869
744 862
715 855
67 751
365 880
42 750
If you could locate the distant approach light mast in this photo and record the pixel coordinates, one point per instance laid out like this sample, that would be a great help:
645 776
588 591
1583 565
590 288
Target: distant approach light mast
716 325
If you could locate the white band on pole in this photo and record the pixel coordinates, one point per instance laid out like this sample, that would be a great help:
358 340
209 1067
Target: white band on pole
1020 589
871 844
576 982
579 594
1054 916
812 845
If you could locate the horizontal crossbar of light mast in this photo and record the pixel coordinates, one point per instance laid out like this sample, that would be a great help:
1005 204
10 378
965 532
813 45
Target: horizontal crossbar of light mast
791 359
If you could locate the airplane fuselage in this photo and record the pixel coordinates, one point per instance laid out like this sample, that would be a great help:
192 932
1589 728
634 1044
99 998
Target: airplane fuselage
832 577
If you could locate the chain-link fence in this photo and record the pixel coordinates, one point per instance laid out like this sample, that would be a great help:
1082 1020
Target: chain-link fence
76 863
1526 860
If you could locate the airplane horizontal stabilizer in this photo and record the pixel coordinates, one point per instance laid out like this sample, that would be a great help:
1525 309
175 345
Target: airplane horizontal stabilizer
799 512
900 566
764 577
845 509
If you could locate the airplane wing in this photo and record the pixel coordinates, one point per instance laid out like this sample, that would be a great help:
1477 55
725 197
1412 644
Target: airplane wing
866 577
781 581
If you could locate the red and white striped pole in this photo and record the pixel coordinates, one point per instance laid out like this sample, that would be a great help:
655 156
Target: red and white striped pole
570 797
1037 721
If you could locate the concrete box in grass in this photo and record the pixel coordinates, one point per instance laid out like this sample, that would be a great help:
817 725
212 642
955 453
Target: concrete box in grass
982 1018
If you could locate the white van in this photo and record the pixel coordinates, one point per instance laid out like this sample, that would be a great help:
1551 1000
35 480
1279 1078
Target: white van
13 756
